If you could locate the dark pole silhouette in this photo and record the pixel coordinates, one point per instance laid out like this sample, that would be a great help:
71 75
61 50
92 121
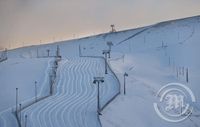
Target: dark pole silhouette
20 115
26 120
16 99
51 84
48 52
98 80
35 91
58 51
187 77
110 44
125 75
80 50
112 28
106 52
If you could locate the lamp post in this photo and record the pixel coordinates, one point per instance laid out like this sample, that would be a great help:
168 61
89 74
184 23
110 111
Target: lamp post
125 75
35 91
98 80
109 43
106 52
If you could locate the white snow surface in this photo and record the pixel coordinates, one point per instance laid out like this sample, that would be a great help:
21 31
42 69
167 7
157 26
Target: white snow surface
138 52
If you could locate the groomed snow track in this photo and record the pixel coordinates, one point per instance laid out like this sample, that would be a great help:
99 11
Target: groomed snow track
74 102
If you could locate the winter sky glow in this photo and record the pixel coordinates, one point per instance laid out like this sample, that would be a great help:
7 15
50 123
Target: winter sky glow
26 22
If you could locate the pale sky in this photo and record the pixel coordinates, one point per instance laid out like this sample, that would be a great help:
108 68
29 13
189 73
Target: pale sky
26 22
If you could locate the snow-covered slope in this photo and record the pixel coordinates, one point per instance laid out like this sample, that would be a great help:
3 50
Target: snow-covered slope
150 56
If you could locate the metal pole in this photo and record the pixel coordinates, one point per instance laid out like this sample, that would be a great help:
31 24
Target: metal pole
51 85
106 71
16 99
98 103
79 51
20 108
109 54
48 52
177 72
124 85
125 75
26 120
35 91
187 78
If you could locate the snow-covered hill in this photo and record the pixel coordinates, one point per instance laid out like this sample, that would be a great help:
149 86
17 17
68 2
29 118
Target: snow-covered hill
150 55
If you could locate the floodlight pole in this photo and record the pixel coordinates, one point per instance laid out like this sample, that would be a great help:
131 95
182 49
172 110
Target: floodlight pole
98 80
106 52
98 103
125 75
